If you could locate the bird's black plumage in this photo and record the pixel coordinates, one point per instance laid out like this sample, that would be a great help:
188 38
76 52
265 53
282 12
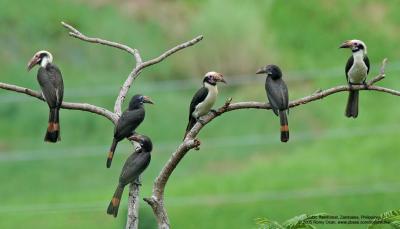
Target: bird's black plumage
52 86
128 122
133 167
199 97
278 96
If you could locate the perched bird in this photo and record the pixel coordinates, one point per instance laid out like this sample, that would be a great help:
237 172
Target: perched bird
51 83
357 69
128 122
278 96
133 167
204 98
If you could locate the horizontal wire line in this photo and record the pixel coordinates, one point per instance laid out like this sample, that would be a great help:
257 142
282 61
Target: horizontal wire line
220 199
220 142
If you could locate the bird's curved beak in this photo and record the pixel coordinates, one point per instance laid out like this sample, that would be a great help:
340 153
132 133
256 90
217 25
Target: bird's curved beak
260 71
147 99
135 138
34 61
346 44
220 78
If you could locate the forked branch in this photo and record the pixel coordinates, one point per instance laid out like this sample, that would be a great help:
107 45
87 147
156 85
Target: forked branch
156 201
132 221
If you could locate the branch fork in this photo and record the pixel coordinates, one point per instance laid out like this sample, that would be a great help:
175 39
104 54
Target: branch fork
156 201
133 201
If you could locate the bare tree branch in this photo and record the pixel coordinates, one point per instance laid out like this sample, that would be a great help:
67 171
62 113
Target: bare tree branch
133 200
170 52
75 33
141 65
156 201
132 221
66 105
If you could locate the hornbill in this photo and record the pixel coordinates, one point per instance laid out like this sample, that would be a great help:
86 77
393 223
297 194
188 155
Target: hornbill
204 98
51 83
136 163
278 96
357 69
128 122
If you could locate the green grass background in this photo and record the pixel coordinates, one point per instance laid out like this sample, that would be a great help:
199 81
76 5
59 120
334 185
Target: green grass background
331 164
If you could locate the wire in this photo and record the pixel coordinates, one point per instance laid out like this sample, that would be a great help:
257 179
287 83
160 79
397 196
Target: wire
212 200
220 142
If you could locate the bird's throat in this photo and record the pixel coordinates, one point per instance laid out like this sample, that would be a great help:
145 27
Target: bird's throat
45 61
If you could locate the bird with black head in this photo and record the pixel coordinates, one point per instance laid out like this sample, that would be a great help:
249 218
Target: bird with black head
130 119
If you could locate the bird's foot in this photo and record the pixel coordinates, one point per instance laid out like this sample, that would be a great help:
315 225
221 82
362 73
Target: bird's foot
366 85
215 112
202 121
137 182
197 144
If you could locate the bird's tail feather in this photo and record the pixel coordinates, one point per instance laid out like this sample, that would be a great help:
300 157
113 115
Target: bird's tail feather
284 126
189 126
111 152
352 104
114 203
53 128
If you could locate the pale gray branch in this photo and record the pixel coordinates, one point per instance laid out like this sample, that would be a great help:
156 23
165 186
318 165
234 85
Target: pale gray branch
156 201
75 33
132 220
141 65
171 51
66 105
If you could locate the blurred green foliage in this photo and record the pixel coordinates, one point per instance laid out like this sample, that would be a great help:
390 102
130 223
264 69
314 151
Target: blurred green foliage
242 172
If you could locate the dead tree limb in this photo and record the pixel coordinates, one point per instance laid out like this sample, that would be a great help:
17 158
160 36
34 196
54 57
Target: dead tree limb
133 200
156 201
66 105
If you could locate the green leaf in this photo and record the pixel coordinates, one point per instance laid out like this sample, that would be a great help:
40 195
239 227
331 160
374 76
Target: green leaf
265 223
392 217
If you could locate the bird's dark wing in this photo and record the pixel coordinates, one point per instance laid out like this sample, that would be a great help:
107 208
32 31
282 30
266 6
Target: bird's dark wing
128 122
57 82
136 163
349 63
199 97
52 91
366 61
277 94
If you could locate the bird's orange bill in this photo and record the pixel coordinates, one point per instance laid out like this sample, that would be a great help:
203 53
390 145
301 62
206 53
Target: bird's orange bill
260 71
346 44
147 99
219 77
35 59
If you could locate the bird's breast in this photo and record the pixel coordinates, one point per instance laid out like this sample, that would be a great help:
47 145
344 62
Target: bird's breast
358 72
204 107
